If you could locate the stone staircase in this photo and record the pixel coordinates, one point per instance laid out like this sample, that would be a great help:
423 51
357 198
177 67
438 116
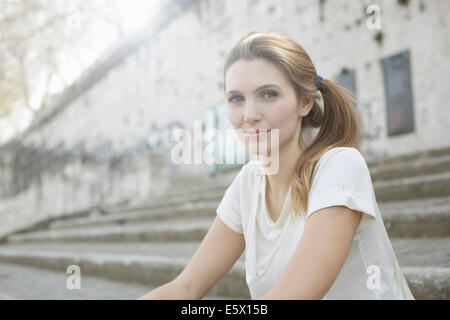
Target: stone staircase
147 245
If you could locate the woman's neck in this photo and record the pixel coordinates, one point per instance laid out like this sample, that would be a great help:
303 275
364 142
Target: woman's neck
280 181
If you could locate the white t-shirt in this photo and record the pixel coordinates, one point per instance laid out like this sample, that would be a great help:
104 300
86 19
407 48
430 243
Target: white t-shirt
341 177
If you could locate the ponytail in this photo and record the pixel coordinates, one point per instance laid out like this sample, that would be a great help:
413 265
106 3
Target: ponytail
339 127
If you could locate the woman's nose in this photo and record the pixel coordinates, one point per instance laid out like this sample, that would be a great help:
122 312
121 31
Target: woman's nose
251 112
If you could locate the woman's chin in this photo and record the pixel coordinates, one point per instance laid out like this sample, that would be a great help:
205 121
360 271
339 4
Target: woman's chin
258 149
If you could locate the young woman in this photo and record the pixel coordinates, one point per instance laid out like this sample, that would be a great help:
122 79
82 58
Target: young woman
312 229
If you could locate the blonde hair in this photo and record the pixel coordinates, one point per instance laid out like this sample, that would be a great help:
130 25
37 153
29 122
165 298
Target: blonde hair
339 123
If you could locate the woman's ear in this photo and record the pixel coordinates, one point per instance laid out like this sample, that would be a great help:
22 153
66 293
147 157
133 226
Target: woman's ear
305 106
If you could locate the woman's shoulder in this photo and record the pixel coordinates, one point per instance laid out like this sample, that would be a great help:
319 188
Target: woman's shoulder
344 161
346 155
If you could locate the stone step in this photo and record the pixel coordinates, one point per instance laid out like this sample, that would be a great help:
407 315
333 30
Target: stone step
420 187
195 187
149 265
416 167
205 193
171 200
413 218
428 282
417 218
22 282
5 296
430 252
424 262
191 229
184 210
406 158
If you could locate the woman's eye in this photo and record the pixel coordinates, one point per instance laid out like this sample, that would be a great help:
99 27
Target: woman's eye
271 94
231 99
266 94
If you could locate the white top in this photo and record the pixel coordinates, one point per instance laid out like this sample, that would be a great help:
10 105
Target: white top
340 177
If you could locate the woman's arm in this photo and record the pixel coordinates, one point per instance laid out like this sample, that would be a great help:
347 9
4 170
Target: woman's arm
173 290
215 256
319 256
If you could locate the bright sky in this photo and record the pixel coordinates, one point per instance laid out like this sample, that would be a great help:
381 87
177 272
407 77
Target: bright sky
134 15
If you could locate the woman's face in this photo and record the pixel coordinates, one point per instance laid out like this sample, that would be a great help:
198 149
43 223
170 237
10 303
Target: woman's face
259 96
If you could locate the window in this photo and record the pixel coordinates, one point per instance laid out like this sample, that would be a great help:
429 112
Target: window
398 92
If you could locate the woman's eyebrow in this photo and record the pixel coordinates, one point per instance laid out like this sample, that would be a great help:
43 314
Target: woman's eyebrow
259 88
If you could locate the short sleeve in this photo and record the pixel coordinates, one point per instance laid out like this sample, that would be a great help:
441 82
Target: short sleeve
229 209
344 180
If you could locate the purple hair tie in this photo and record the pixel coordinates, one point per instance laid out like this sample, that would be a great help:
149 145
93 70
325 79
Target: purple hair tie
319 78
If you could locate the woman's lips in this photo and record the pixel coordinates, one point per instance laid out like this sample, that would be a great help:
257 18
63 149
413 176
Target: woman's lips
257 134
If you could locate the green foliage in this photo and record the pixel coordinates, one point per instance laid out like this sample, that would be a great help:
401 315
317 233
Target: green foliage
379 37
403 2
